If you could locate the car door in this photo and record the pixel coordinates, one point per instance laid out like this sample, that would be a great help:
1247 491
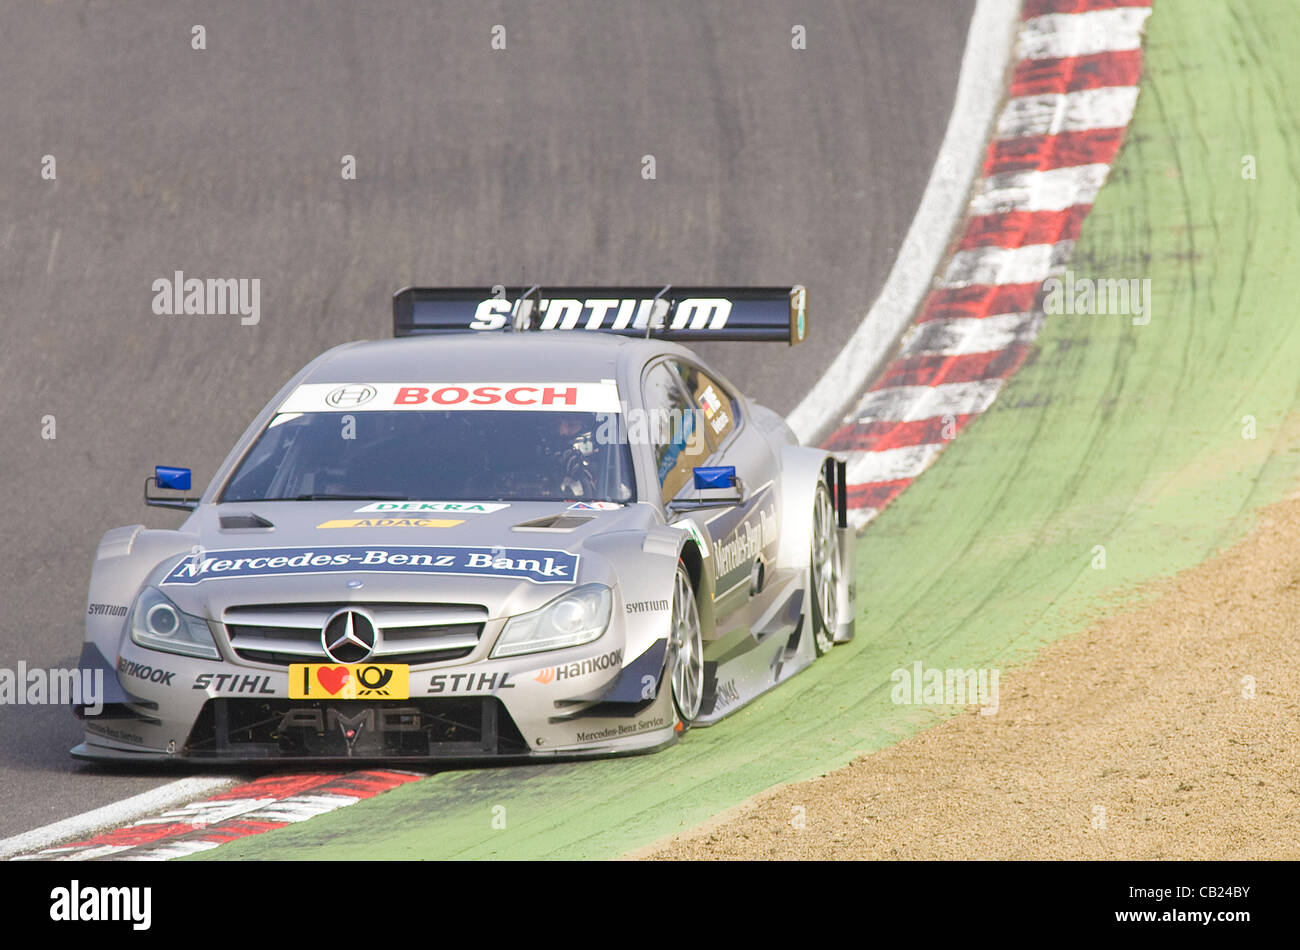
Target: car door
712 431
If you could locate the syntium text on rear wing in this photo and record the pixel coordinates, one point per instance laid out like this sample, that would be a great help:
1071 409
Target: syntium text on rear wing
683 314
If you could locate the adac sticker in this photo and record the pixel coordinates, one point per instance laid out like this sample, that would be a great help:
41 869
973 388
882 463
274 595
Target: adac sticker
541 566
392 523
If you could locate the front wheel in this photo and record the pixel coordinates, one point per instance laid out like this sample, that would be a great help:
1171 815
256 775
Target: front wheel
824 571
686 646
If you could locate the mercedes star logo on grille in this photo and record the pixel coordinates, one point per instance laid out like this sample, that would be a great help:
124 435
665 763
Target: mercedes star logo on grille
349 636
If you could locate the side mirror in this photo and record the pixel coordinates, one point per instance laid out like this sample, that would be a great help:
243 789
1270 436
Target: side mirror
177 479
174 479
712 477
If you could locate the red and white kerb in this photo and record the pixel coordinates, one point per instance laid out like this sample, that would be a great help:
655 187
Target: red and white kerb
1072 95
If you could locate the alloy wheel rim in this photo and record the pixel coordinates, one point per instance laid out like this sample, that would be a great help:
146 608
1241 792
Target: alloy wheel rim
826 568
688 649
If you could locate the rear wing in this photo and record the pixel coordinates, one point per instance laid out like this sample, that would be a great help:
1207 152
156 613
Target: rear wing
683 314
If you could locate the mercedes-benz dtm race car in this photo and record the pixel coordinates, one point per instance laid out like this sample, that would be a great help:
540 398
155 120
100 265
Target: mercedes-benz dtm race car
478 540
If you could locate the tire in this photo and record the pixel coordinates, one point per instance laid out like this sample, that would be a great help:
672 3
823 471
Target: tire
824 571
686 649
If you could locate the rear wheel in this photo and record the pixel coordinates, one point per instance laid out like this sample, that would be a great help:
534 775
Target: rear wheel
686 649
824 571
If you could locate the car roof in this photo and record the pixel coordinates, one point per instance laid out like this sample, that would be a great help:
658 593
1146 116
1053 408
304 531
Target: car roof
550 356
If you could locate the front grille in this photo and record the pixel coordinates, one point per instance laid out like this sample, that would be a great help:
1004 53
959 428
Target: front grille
304 728
282 634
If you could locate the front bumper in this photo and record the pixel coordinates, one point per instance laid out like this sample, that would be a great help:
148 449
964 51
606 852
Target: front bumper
587 702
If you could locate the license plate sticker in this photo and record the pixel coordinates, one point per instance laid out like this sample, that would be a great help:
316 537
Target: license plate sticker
349 681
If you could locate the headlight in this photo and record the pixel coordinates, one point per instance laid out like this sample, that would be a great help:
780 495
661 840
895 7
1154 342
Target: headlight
574 618
158 624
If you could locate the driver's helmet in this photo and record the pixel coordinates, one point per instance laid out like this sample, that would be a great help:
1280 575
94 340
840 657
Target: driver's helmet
570 432
570 443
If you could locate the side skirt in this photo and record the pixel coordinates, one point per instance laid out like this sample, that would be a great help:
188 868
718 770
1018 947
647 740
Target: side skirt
782 648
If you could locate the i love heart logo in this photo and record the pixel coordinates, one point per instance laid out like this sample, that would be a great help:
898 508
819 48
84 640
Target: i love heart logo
333 678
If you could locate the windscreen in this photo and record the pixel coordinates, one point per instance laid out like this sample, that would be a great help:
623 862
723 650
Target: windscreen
448 455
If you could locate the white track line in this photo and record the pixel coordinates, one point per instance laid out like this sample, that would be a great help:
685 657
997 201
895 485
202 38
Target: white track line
1058 35
111 816
980 87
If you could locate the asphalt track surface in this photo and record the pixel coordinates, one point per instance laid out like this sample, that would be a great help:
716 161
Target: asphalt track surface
474 166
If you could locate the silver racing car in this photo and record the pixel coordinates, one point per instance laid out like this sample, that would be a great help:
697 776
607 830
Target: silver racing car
528 526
